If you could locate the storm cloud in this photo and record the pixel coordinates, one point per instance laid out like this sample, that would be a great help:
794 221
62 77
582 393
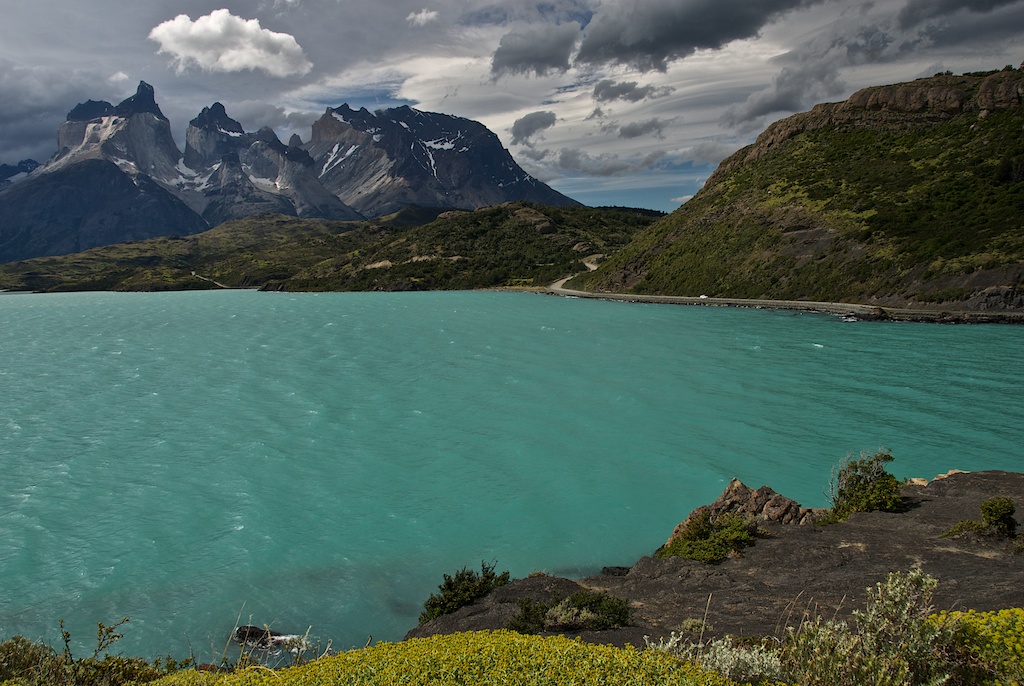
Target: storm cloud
918 11
648 36
524 128
655 127
630 91
539 50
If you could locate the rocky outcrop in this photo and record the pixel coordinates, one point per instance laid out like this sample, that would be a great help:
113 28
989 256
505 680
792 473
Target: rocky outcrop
112 180
762 505
134 135
795 570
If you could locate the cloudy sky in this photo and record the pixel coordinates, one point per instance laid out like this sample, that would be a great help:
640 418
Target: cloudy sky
626 102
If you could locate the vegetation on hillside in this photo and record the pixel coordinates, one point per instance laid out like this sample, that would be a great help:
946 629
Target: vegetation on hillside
515 244
460 589
896 208
711 539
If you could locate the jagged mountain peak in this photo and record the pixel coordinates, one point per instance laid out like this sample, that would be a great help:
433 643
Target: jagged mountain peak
144 101
215 117
269 136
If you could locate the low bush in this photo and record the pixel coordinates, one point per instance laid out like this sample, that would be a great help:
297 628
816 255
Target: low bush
997 522
711 539
461 590
997 514
747 663
864 485
581 611
892 642
27 663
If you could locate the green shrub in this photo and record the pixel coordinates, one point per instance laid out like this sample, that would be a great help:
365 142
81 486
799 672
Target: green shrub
26 663
581 611
996 520
864 485
711 539
461 590
892 642
997 514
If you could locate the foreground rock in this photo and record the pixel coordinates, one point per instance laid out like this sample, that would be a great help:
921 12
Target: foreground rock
796 570
763 505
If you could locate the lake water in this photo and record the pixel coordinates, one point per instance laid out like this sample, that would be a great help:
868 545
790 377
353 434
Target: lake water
320 460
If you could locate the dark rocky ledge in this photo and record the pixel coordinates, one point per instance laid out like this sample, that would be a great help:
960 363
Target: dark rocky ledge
799 568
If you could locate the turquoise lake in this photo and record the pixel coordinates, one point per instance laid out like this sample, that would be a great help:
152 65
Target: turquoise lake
320 460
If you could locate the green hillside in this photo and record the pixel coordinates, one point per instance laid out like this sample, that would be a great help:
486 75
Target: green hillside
910 195
515 244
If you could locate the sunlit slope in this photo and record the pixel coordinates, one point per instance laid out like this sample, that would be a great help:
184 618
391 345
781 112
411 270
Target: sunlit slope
909 195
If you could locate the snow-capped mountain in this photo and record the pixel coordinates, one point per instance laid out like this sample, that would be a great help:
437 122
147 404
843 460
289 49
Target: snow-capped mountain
118 175
380 162
107 183
238 174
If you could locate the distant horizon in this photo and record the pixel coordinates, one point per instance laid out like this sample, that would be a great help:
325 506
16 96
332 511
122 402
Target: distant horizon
607 101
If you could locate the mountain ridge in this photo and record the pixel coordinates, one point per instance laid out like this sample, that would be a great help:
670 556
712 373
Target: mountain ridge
225 173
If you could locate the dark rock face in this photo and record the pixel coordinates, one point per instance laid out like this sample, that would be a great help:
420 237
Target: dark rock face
800 569
231 195
86 205
9 173
380 162
91 109
143 102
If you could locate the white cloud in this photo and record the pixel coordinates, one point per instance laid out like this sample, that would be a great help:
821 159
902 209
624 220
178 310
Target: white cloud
220 41
119 77
423 17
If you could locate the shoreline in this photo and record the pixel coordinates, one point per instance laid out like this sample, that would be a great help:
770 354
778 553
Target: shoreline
857 311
